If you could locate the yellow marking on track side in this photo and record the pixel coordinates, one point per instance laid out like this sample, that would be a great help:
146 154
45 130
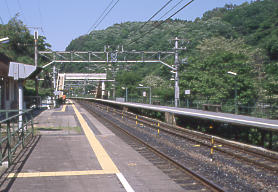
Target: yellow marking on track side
63 109
104 160
59 173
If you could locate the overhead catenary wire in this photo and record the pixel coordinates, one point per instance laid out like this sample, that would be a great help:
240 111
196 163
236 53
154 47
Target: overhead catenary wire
156 13
171 9
100 15
1 20
157 25
8 8
21 10
105 15
41 18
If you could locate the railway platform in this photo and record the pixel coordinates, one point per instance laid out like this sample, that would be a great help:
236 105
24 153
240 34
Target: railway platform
266 124
73 151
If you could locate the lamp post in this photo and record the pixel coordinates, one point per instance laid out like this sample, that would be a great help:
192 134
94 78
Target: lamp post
235 74
142 87
125 93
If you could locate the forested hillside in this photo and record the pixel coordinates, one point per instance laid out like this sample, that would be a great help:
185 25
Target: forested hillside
242 39
21 46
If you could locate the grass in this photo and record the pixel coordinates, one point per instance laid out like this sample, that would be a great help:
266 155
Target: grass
68 128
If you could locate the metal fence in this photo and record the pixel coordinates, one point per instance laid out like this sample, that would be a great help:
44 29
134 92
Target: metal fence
15 128
261 109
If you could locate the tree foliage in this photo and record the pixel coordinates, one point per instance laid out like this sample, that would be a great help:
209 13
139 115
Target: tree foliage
21 45
242 39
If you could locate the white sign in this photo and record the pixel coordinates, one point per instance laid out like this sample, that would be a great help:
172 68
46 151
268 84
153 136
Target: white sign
187 92
144 93
57 92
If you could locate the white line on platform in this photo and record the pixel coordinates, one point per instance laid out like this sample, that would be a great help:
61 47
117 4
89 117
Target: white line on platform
124 182
193 113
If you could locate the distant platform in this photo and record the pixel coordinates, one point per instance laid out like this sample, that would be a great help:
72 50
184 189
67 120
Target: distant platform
266 124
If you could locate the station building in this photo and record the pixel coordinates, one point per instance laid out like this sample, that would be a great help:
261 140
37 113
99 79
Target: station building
8 86
12 77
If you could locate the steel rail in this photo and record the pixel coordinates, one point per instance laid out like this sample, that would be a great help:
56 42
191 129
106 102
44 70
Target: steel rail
209 184
167 128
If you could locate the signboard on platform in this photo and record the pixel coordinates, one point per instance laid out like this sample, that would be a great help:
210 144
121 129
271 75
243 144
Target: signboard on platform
58 92
144 93
187 92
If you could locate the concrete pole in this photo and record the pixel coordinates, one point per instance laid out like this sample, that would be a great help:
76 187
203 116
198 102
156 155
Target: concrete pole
20 102
177 89
102 89
36 63
126 94
150 95
36 47
54 84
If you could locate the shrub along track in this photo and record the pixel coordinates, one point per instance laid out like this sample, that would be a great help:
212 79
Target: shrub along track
179 144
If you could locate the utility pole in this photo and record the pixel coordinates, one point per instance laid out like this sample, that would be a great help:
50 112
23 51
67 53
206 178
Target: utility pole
54 85
177 88
176 70
36 47
36 63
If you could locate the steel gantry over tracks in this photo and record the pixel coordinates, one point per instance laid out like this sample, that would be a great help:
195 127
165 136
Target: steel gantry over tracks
107 57
119 56
80 77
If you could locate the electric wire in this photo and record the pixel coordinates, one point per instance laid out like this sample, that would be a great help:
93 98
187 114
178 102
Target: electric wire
21 10
8 8
106 15
41 18
171 9
100 16
159 24
155 14
179 10
1 20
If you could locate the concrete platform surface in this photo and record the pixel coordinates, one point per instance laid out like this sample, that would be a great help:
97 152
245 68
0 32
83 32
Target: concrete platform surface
267 124
93 159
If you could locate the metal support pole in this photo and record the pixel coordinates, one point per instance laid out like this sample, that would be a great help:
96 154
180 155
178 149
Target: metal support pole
177 90
20 102
236 106
1 156
102 89
54 84
36 47
9 143
24 128
36 62
126 94
32 124
150 95
114 93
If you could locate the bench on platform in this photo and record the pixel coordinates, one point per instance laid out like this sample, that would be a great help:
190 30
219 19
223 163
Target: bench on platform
208 107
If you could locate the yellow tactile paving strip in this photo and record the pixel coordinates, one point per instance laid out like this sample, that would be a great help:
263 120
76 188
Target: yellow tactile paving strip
103 158
63 109
60 173
108 166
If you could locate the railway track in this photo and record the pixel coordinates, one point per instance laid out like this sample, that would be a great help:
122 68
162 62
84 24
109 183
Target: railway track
260 158
184 176
230 168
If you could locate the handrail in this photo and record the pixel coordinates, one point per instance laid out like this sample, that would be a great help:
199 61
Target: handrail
16 130
14 116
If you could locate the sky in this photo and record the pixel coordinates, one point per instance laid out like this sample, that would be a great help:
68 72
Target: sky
64 20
